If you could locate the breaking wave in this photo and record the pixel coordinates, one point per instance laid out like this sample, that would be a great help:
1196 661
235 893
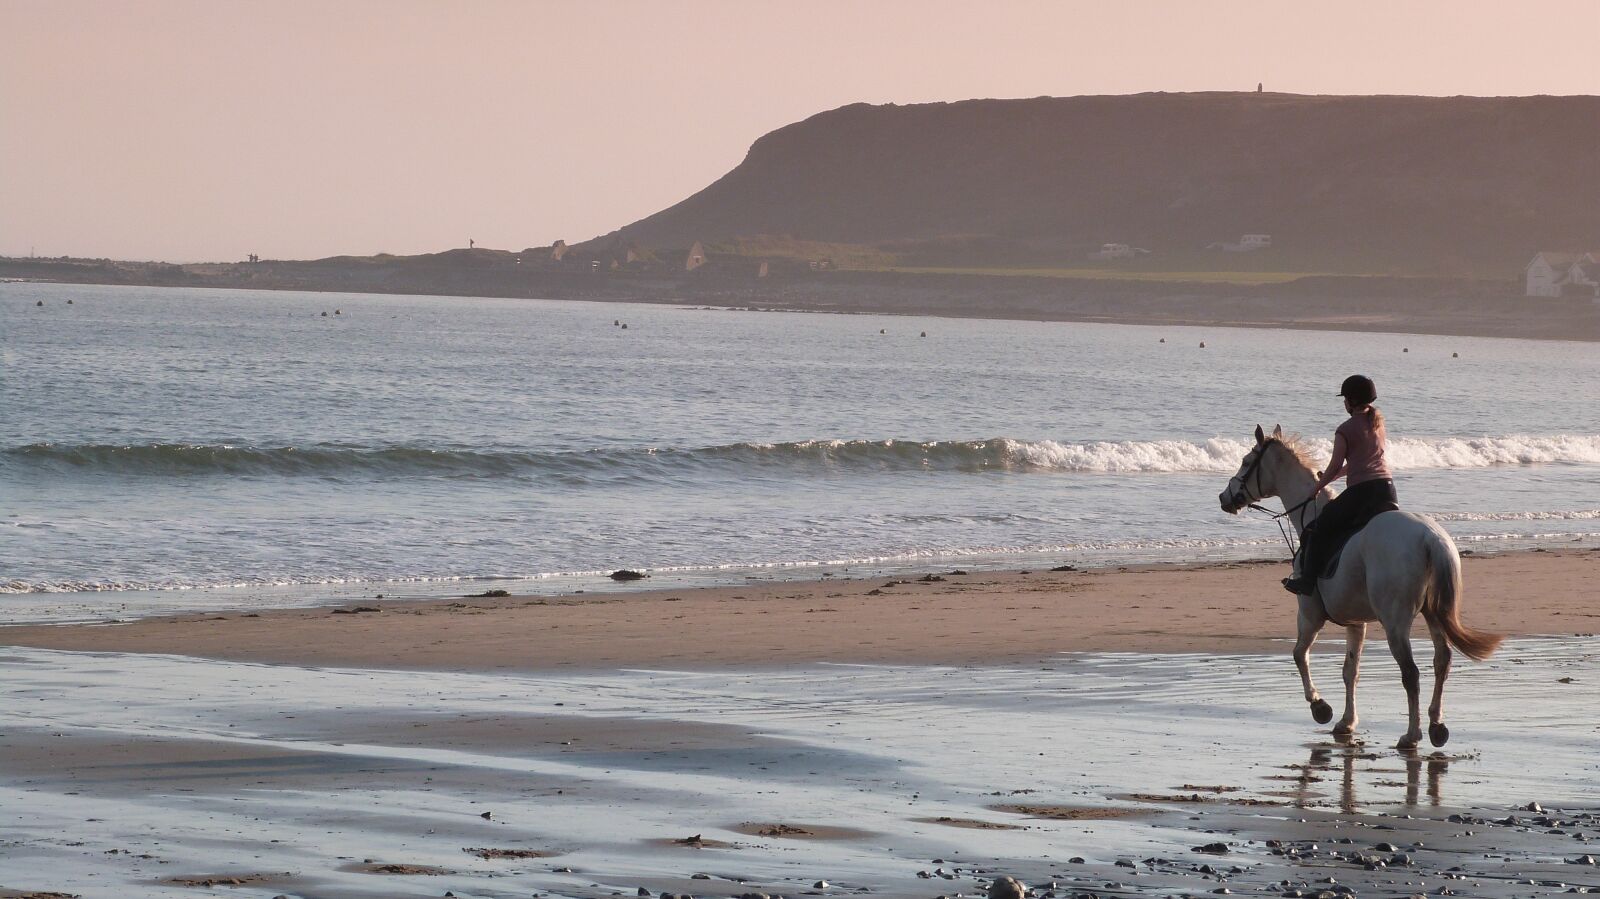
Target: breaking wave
993 454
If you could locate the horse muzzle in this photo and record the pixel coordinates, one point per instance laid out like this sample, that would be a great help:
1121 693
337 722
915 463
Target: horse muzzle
1232 502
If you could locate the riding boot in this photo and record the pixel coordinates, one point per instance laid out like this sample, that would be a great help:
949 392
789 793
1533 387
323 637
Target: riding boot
1303 579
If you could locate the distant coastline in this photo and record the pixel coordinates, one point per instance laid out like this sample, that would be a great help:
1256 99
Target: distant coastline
1444 306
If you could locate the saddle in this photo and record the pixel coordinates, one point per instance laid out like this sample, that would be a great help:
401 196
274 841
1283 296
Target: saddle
1337 539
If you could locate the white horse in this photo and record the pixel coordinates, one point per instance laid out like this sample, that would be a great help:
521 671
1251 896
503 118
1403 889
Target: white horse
1398 565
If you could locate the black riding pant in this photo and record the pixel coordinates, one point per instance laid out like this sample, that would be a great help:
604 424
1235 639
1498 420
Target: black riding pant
1349 511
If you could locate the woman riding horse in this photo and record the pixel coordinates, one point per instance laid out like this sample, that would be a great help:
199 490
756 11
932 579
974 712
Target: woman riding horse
1358 456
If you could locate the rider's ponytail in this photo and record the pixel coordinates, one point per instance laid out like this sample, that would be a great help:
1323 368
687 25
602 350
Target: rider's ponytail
1374 417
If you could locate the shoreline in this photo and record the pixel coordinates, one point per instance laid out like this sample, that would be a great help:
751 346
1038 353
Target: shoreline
1020 298
944 618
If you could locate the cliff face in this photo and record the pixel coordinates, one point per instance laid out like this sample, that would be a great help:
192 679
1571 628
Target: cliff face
1413 183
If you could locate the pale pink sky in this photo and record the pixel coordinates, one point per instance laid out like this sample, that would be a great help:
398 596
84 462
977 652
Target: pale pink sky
209 130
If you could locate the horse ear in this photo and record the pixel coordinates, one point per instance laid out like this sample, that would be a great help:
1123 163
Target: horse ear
1277 432
1261 436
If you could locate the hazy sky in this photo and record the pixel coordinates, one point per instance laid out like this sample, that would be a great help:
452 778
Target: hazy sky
209 130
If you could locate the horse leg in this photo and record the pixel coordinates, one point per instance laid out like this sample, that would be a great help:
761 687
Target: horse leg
1438 734
1355 635
1400 645
1311 621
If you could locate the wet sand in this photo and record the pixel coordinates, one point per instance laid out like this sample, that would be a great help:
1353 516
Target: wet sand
942 618
1105 774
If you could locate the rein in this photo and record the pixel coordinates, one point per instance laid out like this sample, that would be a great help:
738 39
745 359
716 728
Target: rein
1277 517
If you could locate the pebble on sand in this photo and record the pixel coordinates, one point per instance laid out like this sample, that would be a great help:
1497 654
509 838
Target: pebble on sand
1008 888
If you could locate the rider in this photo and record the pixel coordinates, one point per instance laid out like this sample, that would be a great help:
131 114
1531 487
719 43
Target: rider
1358 456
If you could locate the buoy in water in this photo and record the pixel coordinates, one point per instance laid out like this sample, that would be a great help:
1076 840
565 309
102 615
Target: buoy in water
324 314
1455 355
1202 344
880 330
69 302
624 327
1163 340
924 333
1405 349
337 312
40 303
616 321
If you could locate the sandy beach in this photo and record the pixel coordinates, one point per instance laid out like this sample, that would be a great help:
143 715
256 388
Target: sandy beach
1094 733
938 618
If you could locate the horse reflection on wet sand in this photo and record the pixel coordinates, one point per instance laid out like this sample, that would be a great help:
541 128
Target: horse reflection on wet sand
1339 759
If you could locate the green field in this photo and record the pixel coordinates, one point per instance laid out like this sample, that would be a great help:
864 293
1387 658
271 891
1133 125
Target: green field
1110 274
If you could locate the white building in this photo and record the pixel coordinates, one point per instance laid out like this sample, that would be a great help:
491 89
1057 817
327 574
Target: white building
1584 276
1555 274
1117 251
1248 243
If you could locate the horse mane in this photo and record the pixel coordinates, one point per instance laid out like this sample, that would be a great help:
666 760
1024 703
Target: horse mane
1296 445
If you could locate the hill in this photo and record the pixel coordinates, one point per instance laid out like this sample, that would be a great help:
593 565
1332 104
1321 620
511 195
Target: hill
1452 186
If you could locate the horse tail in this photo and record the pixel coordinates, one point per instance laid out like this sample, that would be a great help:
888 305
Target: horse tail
1444 602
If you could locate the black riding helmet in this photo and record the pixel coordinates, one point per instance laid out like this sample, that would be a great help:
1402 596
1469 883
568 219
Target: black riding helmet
1358 389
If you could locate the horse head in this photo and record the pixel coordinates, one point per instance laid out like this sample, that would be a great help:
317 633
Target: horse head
1254 481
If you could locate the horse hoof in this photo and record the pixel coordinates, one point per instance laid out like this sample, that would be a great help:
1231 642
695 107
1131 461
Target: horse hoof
1321 712
1343 730
1438 734
1407 743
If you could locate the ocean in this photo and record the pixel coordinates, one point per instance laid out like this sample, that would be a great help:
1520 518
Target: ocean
168 449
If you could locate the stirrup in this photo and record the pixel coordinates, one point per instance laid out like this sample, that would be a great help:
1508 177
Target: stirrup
1298 586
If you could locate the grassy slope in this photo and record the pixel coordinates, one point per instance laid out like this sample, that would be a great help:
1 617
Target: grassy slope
1107 274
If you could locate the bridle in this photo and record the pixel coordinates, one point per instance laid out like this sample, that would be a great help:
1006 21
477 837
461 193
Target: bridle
1254 468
